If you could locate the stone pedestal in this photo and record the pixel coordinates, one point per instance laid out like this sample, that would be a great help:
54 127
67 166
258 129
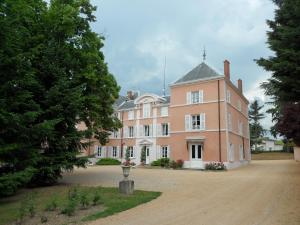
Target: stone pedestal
297 153
126 187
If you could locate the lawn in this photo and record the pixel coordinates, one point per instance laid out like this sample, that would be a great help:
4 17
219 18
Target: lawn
111 202
272 156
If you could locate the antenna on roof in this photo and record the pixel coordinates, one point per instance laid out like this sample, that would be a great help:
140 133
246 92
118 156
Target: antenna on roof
204 54
164 88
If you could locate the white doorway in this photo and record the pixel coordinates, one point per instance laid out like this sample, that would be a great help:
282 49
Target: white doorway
196 154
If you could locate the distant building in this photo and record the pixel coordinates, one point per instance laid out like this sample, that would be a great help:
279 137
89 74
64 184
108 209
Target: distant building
204 119
270 145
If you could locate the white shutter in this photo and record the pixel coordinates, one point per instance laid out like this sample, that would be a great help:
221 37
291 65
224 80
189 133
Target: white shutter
202 121
158 151
200 96
187 122
154 131
169 129
134 151
150 130
141 130
188 97
125 130
158 128
103 153
169 151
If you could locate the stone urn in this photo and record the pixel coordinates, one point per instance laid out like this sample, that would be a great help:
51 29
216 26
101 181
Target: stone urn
297 153
126 170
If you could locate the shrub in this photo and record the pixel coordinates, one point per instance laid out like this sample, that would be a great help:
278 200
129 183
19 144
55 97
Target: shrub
215 166
52 205
179 163
70 207
164 162
173 164
156 163
44 219
84 201
108 161
96 198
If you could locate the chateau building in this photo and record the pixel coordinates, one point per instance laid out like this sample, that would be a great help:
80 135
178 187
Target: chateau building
204 119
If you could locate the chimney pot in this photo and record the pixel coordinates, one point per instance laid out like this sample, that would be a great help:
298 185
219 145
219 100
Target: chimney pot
227 69
240 85
130 95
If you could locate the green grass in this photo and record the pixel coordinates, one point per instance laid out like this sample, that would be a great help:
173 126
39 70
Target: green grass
272 156
112 200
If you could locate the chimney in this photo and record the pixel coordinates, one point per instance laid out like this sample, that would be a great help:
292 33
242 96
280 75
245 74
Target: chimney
227 69
130 95
240 85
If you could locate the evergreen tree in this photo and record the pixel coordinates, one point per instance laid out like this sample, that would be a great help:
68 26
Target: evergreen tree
53 76
256 130
284 85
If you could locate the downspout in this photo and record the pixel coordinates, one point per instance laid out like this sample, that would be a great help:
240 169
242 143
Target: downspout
219 118
122 135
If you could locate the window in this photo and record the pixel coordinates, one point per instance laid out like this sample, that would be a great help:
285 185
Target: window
146 110
131 115
242 152
229 122
165 129
240 124
164 111
114 152
115 134
228 96
131 152
164 151
195 97
239 105
131 131
146 130
196 151
99 151
195 122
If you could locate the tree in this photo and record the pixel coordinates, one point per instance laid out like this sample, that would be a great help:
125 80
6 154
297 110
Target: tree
284 85
256 130
53 76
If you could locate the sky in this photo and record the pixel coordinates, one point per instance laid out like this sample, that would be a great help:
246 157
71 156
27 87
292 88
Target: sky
139 34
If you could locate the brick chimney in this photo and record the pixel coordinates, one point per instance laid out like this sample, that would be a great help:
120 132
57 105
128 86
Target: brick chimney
227 69
130 95
240 85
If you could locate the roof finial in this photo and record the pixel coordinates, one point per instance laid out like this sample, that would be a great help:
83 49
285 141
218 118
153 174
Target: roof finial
204 54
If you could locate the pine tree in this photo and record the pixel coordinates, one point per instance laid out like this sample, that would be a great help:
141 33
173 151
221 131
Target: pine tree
53 76
256 130
284 85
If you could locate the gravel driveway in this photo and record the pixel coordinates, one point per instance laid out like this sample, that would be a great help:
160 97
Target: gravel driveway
262 193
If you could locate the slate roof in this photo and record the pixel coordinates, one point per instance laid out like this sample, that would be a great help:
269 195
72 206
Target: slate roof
202 71
130 103
119 101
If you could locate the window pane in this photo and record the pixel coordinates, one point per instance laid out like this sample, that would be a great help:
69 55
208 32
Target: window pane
199 151
193 152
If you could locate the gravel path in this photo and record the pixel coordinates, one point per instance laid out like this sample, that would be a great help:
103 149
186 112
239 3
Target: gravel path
262 193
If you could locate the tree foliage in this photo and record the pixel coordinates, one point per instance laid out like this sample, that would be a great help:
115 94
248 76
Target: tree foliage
53 76
284 85
256 130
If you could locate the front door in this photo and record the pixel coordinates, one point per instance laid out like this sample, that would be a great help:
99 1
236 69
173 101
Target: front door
196 155
147 154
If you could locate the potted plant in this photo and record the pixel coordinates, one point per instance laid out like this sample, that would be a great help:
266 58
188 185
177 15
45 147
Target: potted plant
126 165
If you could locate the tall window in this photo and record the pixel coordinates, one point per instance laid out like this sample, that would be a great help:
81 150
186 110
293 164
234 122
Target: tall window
99 151
196 151
131 153
131 131
146 110
164 151
229 122
231 152
242 152
115 134
114 152
146 130
241 127
131 115
195 97
165 129
164 111
195 122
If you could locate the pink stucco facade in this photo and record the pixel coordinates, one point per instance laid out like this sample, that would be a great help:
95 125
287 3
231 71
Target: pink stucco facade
204 119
